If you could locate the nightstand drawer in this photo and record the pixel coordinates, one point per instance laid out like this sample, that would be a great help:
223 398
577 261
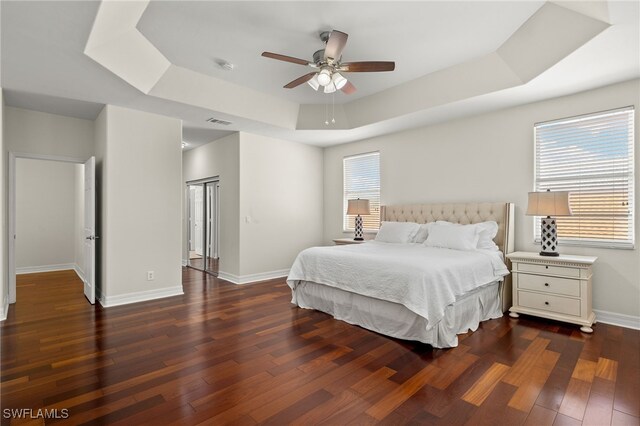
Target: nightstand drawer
549 269
554 285
548 302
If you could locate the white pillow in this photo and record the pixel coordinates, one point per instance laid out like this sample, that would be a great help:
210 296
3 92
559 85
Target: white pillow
397 232
422 234
453 237
487 231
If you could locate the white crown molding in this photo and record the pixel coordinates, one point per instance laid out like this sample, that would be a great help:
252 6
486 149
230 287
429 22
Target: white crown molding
621 320
45 268
253 278
139 296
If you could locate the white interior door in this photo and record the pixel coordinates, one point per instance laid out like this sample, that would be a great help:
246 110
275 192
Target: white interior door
90 230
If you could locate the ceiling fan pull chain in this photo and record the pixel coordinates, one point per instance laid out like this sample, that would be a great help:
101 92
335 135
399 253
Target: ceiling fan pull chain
333 108
326 114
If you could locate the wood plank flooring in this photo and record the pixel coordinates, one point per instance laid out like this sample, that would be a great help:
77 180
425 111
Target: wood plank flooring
227 354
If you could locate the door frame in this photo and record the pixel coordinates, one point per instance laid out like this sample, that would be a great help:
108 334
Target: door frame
205 228
11 210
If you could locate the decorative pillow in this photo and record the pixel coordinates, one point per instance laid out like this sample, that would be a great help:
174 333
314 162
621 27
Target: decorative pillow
487 231
397 232
447 235
422 234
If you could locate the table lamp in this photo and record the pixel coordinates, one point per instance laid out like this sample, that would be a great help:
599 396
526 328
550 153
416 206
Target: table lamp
358 207
549 204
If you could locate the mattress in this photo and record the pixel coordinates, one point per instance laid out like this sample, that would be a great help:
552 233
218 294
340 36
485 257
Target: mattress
395 320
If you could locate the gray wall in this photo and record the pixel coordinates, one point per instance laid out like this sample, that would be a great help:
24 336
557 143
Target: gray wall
271 201
45 214
220 158
489 157
139 161
36 132
280 202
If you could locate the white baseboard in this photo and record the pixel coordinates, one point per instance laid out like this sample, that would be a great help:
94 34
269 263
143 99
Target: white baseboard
622 320
252 278
79 271
4 310
44 268
139 296
185 262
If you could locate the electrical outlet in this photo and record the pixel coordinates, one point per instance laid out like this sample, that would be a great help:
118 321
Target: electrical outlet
150 276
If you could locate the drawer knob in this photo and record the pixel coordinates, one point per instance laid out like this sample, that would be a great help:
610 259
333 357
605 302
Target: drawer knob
546 267
546 303
546 284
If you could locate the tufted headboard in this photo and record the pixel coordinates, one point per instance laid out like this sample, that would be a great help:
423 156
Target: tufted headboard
463 213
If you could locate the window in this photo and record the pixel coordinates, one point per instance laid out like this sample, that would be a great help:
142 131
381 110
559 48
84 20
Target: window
591 156
362 180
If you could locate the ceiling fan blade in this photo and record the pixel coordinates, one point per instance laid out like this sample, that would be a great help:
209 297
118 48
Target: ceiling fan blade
367 66
298 81
335 45
285 58
348 88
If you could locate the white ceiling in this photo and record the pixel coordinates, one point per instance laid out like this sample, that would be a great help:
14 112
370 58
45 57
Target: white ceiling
43 66
421 37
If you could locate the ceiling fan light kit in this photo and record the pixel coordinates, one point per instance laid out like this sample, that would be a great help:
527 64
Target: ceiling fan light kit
329 64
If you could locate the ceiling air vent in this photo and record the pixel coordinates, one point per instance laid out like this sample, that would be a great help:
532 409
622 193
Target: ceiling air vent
216 121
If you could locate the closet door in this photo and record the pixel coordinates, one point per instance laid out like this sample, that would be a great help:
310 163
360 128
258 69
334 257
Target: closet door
211 219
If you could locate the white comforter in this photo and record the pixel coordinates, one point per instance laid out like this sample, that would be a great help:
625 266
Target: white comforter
423 279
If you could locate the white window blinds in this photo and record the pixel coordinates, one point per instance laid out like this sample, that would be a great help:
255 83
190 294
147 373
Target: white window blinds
362 180
592 157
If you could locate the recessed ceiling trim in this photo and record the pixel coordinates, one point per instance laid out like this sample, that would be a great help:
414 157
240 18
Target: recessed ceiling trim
518 60
116 44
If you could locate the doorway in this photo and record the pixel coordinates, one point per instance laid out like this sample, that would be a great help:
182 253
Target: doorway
203 236
39 219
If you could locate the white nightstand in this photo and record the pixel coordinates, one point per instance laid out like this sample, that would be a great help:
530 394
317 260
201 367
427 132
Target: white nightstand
557 288
344 241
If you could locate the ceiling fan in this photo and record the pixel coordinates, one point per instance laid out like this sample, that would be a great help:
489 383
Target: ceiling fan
329 65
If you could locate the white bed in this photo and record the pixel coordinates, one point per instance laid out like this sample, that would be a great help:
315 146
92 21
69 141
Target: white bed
398 289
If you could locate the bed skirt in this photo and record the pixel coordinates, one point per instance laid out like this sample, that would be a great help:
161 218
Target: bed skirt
393 319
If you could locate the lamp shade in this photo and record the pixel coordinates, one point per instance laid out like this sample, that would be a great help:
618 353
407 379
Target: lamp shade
338 80
358 206
330 88
549 204
314 82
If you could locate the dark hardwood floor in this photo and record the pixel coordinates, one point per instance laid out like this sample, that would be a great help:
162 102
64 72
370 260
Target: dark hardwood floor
227 354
